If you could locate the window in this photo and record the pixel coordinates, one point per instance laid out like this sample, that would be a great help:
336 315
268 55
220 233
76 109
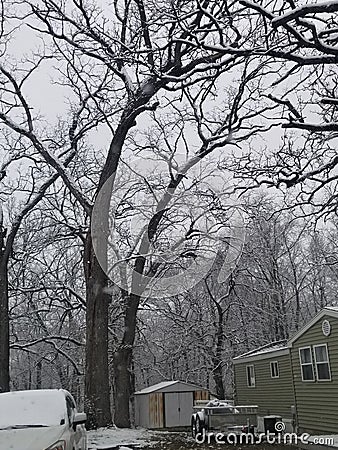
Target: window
306 365
250 374
274 369
322 362
70 410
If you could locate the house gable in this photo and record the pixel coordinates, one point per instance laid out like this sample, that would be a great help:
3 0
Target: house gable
325 313
317 407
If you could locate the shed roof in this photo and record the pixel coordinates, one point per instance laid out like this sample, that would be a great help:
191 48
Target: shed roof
270 350
331 311
165 384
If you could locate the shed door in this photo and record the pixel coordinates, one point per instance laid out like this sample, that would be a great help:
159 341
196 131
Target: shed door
156 410
178 409
186 404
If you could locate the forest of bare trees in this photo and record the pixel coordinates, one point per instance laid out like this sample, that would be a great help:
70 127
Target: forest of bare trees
142 143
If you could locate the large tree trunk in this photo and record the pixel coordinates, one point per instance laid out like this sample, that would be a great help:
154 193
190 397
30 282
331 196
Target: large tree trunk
123 365
123 386
97 296
97 389
123 357
218 379
39 374
217 360
4 326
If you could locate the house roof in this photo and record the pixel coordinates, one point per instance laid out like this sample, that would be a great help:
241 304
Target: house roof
331 311
280 348
163 385
277 348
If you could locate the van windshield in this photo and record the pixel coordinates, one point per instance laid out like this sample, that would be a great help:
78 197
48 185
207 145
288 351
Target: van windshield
25 409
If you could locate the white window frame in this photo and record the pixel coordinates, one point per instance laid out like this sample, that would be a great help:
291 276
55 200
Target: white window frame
308 347
322 362
276 365
247 376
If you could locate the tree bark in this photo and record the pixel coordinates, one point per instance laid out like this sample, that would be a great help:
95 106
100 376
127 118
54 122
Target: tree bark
39 374
4 325
97 389
218 380
123 388
123 359
217 360
217 363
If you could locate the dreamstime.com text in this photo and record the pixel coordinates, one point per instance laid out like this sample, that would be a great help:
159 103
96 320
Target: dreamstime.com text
270 438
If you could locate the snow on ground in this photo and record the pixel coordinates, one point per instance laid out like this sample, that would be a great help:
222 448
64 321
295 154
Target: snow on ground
110 437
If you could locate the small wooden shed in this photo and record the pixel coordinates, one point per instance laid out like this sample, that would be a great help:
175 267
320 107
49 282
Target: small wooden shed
167 404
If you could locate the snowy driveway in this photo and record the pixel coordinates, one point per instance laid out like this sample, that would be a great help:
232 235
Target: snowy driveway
114 437
130 439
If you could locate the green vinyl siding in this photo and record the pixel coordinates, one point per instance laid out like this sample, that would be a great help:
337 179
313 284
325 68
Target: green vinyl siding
317 401
271 395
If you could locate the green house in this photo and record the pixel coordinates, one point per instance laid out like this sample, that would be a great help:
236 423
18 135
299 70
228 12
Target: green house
263 377
314 357
298 379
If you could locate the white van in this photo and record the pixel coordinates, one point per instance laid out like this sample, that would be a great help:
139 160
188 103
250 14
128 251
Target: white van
41 420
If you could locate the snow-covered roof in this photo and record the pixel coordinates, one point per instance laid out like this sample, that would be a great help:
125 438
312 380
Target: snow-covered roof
331 311
332 308
156 387
165 384
277 348
280 348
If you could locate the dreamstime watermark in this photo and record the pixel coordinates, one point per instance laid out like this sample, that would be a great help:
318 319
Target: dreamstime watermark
165 245
277 437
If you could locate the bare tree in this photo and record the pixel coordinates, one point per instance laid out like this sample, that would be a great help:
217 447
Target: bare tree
304 37
153 48
180 337
47 305
8 232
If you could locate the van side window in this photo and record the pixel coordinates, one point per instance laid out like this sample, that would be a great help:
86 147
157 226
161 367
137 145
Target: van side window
70 410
